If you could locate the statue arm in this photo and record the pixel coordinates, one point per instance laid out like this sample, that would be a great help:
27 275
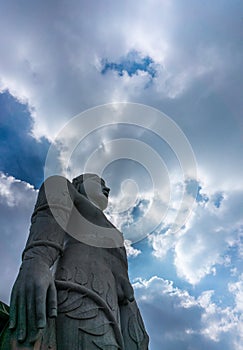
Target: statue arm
33 297
119 267
132 326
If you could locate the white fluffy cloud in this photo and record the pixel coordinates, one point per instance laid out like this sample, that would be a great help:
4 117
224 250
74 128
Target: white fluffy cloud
52 56
17 201
131 251
237 289
52 53
204 243
181 320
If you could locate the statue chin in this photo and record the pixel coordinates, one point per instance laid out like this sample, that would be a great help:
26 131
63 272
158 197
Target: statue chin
100 201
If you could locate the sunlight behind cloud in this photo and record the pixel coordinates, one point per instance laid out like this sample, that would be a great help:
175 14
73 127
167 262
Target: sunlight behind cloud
145 122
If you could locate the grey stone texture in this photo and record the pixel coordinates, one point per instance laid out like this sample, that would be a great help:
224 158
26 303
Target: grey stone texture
73 291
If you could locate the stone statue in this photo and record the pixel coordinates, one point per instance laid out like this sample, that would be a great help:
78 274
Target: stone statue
73 290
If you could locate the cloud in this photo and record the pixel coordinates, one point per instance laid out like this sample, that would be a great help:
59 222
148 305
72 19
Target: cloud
237 289
131 251
161 244
52 60
138 214
17 199
206 239
183 321
21 155
67 78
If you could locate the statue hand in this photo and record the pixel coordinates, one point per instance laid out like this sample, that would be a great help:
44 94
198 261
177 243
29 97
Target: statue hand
33 299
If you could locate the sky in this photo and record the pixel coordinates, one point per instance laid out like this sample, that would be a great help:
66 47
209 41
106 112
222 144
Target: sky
149 95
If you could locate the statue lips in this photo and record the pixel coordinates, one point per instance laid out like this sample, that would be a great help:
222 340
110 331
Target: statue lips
106 192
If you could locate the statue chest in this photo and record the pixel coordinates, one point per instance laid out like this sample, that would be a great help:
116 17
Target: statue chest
88 269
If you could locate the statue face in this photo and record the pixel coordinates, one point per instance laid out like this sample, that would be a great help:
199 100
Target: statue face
95 189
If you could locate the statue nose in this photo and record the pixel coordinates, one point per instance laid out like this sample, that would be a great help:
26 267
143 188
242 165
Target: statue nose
106 191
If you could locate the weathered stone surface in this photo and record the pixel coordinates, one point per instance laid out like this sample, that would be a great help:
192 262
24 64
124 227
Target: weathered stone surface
73 290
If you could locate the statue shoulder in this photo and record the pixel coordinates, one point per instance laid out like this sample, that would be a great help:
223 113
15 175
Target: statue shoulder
56 180
56 183
55 189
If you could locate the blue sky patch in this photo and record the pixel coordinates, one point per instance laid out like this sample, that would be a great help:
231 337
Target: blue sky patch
132 63
139 209
191 187
217 199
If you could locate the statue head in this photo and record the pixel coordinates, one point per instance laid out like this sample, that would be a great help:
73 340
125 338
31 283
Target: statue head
94 188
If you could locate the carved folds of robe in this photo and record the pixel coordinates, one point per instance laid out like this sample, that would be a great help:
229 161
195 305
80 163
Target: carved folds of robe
92 282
